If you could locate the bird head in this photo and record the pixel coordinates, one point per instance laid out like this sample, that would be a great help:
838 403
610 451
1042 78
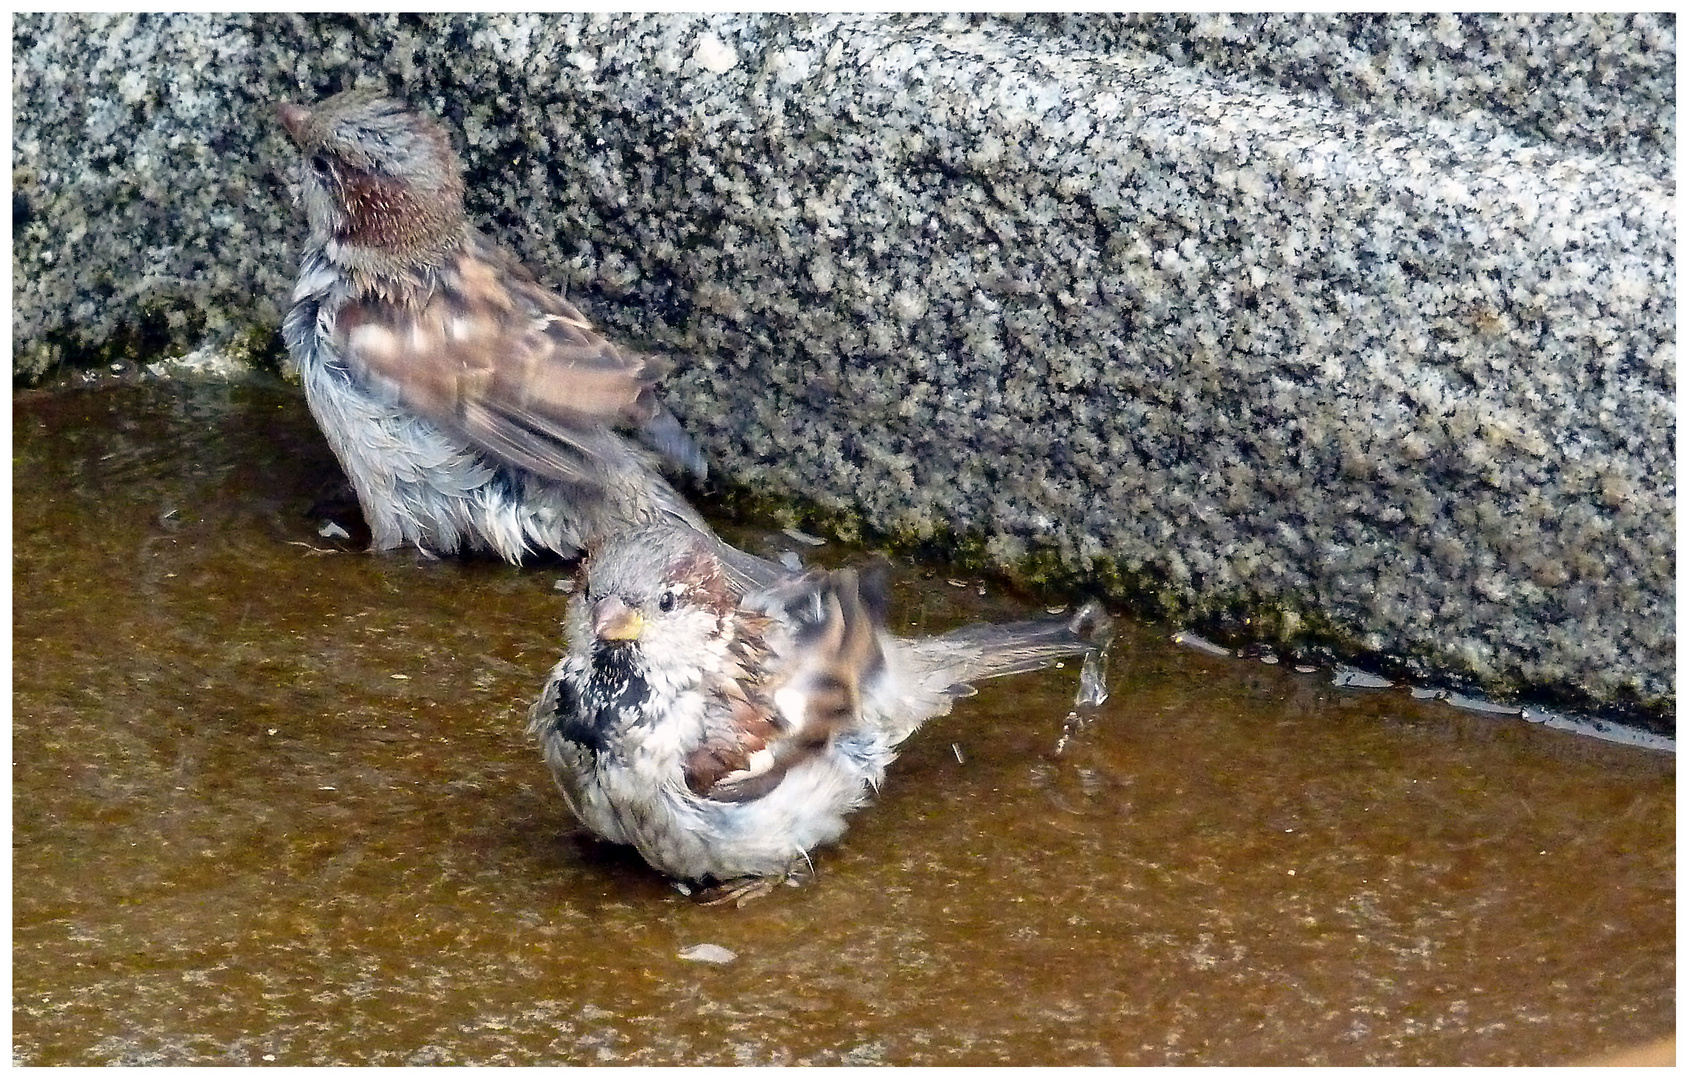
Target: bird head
380 183
660 593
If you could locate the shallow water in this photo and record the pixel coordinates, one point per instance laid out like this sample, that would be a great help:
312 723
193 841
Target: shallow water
272 802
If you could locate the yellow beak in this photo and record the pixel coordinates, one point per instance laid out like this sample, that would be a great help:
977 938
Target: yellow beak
613 620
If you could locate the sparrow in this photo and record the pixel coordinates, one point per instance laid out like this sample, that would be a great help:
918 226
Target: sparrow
471 407
725 730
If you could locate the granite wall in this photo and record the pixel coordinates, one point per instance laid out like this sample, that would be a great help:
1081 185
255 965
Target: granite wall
1359 329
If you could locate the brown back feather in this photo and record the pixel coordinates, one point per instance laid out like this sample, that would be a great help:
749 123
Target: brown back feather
507 365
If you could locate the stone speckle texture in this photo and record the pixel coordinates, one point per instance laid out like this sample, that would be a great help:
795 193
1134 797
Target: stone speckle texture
1362 327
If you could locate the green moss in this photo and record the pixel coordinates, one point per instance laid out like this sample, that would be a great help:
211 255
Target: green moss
260 347
159 332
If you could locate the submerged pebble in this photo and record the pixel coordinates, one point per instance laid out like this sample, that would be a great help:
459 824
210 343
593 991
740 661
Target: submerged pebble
804 538
708 954
1461 701
1355 677
1200 643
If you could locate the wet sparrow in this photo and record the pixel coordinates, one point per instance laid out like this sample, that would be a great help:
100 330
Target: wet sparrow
470 406
724 732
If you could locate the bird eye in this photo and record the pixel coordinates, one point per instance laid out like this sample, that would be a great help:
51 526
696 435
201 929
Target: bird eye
666 601
319 164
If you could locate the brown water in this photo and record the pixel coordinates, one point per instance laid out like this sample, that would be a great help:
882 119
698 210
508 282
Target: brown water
273 802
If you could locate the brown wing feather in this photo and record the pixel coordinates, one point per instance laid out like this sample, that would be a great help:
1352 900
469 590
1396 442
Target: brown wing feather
829 646
506 364
733 762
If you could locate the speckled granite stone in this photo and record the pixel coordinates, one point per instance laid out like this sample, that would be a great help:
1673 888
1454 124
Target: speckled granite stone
1362 327
1604 83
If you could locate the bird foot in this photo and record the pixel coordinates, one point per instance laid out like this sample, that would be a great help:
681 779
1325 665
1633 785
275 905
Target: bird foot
741 891
738 892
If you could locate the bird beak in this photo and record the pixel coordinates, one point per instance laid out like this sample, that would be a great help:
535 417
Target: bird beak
293 118
613 620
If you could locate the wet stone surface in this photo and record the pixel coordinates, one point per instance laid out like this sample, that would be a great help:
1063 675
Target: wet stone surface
273 803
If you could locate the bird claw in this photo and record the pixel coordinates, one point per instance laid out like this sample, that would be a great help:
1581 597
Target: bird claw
738 892
741 891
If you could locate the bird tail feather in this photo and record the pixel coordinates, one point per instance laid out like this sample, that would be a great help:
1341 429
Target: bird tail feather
990 650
